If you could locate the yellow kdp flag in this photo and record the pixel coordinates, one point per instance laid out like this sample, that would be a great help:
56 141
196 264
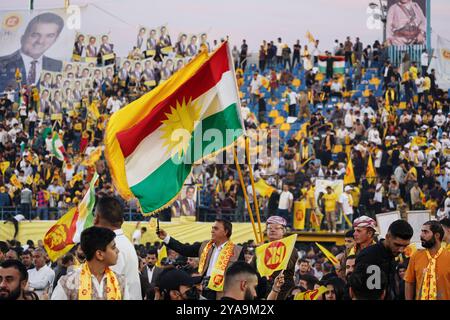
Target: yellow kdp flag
29 180
315 219
263 188
4 165
15 182
349 177
370 173
329 256
311 294
93 110
75 178
419 141
94 156
162 253
275 255
37 176
310 37
299 214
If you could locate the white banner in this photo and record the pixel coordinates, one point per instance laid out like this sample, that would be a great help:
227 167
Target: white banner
442 63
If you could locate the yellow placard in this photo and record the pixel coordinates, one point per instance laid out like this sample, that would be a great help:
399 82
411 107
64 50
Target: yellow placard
150 53
90 59
4 165
299 214
76 57
167 50
108 56
150 83
275 255
56 116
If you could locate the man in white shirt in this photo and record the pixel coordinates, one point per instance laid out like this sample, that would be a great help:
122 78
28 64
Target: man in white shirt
255 85
439 118
138 233
113 104
109 214
424 61
40 278
292 101
346 204
285 204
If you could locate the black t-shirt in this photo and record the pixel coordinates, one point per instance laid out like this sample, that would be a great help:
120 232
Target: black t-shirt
382 257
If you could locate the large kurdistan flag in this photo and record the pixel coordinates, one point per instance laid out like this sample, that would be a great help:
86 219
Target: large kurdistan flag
152 143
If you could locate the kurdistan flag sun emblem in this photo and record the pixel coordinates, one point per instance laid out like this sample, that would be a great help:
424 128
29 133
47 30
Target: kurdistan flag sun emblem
179 126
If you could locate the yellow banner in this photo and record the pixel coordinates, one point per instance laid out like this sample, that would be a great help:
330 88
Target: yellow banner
56 116
162 253
275 255
299 214
29 180
349 177
108 56
150 83
93 157
419 141
150 53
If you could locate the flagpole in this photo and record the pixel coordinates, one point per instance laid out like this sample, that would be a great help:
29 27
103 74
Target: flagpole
244 191
255 199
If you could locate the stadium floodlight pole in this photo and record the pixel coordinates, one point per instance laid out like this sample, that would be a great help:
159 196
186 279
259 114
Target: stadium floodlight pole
382 16
31 4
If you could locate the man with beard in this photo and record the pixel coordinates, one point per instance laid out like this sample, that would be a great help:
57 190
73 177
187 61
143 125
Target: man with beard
13 281
240 282
383 253
428 273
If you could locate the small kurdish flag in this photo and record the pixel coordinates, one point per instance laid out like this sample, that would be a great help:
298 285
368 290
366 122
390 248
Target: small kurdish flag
58 148
152 143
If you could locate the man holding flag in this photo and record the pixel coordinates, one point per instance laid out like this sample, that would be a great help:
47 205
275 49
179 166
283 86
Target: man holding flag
216 255
276 230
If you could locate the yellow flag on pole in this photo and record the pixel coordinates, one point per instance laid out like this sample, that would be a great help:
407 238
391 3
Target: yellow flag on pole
4 165
15 182
329 256
370 172
162 253
310 37
349 177
29 180
94 156
263 188
311 294
275 255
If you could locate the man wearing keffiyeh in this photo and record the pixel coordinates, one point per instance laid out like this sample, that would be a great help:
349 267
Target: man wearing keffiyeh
428 273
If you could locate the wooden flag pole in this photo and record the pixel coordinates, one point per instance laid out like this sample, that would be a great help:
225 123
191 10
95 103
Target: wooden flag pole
255 199
244 191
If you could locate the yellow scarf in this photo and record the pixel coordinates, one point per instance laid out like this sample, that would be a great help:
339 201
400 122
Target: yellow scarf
429 287
217 275
305 152
85 290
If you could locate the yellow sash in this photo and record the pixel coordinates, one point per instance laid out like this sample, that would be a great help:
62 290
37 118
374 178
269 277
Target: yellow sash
217 275
112 285
429 287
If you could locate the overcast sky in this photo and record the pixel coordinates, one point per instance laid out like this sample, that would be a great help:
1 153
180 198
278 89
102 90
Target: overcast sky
253 20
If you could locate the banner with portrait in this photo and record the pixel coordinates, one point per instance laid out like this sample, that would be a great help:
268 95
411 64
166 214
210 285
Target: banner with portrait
406 22
40 35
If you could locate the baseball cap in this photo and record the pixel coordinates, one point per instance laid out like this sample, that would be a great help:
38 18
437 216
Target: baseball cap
348 188
172 279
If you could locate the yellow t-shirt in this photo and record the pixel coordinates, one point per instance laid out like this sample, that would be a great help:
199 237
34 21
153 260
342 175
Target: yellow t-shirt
414 71
228 185
426 84
310 199
356 194
330 201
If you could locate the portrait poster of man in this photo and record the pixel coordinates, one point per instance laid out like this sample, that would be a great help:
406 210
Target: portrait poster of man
406 22
32 42
189 202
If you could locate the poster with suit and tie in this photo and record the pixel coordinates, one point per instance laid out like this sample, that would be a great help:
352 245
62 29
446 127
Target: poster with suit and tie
32 42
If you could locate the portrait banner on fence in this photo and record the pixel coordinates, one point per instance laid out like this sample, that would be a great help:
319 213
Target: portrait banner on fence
406 22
